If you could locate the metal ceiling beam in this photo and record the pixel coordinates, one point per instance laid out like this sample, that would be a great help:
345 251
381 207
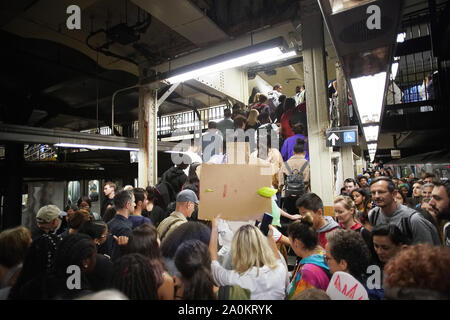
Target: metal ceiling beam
224 47
166 94
202 91
24 134
276 65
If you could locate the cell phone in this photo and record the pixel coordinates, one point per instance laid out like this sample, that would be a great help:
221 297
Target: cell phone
266 221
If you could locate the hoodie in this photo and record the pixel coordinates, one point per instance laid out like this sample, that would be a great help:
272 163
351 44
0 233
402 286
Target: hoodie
329 226
312 272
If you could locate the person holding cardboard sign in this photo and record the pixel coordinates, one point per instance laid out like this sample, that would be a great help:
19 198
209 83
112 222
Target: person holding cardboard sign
256 261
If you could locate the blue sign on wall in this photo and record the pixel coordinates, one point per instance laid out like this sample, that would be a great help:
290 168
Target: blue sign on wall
342 136
349 137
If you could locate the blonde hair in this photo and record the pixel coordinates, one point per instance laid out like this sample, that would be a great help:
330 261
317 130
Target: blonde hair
348 204
250 248
256 97
252 117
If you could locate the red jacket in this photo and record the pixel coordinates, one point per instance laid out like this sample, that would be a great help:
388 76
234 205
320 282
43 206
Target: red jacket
323 237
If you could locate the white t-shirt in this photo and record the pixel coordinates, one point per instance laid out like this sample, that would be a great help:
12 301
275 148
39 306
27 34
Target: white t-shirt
269 284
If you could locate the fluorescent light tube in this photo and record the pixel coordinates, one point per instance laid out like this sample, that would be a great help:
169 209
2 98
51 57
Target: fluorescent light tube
372 147
369 93
228 64
90 146
371 133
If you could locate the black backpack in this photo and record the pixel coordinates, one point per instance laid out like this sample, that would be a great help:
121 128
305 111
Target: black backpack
295 186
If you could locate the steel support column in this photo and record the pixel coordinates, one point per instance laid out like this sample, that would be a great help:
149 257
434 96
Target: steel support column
344 120
148 153
317 103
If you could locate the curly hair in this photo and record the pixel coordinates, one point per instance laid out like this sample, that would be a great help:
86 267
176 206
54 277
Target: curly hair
137 277
349 245
420 266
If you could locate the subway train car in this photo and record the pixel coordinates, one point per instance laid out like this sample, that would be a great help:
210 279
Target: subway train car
437 162
66 177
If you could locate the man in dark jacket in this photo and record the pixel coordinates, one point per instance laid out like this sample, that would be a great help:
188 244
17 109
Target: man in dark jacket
171 183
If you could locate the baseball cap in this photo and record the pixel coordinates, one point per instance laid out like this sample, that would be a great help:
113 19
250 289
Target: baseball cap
47 214
187 196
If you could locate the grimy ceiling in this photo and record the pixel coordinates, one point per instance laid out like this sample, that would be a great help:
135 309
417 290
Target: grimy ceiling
53 77
59 78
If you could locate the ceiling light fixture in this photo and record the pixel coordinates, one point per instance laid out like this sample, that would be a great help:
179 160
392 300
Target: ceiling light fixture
371 133
228 64
364 52
263 52
369 92
372 146
281 56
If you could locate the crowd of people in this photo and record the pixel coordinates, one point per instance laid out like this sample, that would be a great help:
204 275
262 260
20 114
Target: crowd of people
149 244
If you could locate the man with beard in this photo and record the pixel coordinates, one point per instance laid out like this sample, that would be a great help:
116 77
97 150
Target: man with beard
440 206
408 220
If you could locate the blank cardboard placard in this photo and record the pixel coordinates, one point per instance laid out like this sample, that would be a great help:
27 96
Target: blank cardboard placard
231 190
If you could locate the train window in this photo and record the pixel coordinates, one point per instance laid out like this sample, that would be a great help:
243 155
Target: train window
24 200
93 190
73 191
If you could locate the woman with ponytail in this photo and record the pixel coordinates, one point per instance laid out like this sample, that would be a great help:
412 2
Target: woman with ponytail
193 261
312 271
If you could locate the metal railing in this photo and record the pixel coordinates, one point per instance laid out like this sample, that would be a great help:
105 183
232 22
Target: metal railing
37 152
167 124
414 88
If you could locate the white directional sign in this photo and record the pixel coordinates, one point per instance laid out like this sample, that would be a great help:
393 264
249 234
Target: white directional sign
342 136
333 139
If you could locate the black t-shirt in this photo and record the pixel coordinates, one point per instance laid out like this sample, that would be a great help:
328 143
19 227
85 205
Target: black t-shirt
157 215
118 226
105 204
100 277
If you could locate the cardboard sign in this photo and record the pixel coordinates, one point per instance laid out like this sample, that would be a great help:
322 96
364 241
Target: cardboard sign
231 190
344 286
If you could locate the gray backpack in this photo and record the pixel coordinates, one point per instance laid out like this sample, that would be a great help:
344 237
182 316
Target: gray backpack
295 186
